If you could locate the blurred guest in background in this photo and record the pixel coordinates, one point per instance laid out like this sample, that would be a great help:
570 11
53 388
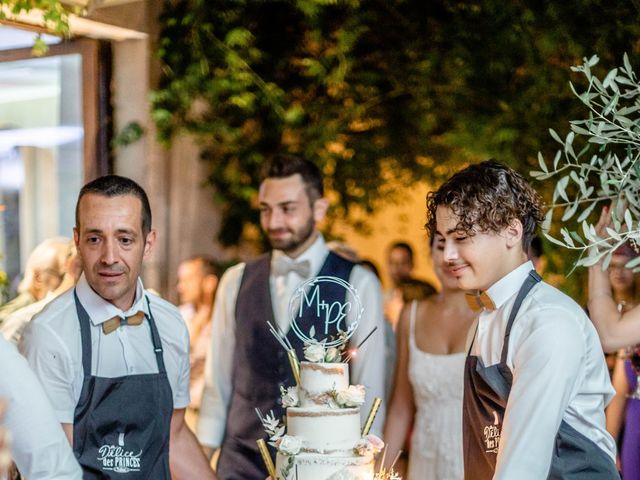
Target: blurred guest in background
197 282
43 273
428 385
623 413
404 287
38 446
14 324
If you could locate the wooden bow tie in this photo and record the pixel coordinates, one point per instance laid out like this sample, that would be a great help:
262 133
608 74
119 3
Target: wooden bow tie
113 323
479 301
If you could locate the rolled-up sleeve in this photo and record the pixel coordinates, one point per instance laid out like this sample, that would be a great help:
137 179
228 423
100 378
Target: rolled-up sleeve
218 366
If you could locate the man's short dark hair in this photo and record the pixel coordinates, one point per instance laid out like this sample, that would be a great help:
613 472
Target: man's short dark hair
402 246
285 165
116 186
487 197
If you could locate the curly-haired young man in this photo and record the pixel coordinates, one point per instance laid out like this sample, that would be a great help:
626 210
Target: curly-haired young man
536 383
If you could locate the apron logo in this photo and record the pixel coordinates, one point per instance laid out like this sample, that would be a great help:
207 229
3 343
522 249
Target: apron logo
492 435
117 459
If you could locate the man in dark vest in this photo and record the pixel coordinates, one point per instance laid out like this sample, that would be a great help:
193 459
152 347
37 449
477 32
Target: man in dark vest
246 366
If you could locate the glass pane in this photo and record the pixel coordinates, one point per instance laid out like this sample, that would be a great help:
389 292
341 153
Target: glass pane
41 150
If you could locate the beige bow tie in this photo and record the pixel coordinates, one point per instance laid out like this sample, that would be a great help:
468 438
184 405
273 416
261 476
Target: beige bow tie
282 266
479 301
113 323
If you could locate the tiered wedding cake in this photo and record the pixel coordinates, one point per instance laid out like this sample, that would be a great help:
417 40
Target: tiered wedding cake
323 439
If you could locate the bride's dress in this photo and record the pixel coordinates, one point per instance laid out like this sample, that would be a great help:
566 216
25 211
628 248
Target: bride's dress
438 383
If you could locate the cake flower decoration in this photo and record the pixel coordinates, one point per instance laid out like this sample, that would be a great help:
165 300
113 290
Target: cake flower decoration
289 445
314 351
370 444
289 397
351 397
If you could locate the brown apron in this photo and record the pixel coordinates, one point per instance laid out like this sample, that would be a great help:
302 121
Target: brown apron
486 392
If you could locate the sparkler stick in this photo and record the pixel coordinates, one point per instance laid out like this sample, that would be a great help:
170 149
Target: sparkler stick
353 352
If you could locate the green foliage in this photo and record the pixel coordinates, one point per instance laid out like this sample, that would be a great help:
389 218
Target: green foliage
130 133
599 162
378 93
55 16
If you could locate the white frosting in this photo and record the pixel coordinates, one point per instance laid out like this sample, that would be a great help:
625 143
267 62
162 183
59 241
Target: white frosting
312 466
324 429
319 379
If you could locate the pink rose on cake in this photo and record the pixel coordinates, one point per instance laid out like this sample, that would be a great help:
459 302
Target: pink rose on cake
351 397
289 445
369 445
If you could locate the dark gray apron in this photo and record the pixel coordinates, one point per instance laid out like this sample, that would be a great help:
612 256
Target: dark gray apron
486 392
122 425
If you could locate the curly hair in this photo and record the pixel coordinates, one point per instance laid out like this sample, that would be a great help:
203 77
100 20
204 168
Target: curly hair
487 197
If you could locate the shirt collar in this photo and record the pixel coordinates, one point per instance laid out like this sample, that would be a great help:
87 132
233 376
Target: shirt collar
315 254
100 310
509 285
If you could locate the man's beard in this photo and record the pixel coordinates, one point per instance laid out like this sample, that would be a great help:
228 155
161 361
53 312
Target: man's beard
297 238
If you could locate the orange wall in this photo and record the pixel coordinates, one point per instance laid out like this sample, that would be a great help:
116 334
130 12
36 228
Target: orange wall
403 221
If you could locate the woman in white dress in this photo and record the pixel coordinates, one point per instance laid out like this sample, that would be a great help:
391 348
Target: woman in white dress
428 386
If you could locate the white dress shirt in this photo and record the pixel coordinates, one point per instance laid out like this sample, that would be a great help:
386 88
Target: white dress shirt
53 347
559 373
366 369
39 446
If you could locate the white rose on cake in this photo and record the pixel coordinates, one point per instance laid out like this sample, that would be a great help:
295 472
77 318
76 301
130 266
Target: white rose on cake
351 397
314 352
289 397
289 445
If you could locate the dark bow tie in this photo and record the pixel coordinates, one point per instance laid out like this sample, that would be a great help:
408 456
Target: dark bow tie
479 301
113 323
283 265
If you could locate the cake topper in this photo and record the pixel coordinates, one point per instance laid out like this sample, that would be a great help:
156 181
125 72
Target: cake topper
333 316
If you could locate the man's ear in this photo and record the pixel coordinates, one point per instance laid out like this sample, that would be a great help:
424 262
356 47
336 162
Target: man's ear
149 242
320 207
513 233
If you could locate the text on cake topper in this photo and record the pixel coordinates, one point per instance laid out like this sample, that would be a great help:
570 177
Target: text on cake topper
307 298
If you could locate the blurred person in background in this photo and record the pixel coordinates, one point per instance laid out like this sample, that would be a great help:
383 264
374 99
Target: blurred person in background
197 282
43 273
15 323
36 442
428 383
623 413
404 287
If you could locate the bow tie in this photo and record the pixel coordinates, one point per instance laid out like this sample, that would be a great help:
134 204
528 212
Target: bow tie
283 265
479 301
114 322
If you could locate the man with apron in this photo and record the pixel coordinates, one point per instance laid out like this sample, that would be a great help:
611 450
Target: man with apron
113 358
536 383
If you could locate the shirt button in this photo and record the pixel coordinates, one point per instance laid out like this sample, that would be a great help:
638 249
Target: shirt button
131 369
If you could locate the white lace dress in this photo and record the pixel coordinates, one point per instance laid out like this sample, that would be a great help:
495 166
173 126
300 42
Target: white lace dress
438 382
